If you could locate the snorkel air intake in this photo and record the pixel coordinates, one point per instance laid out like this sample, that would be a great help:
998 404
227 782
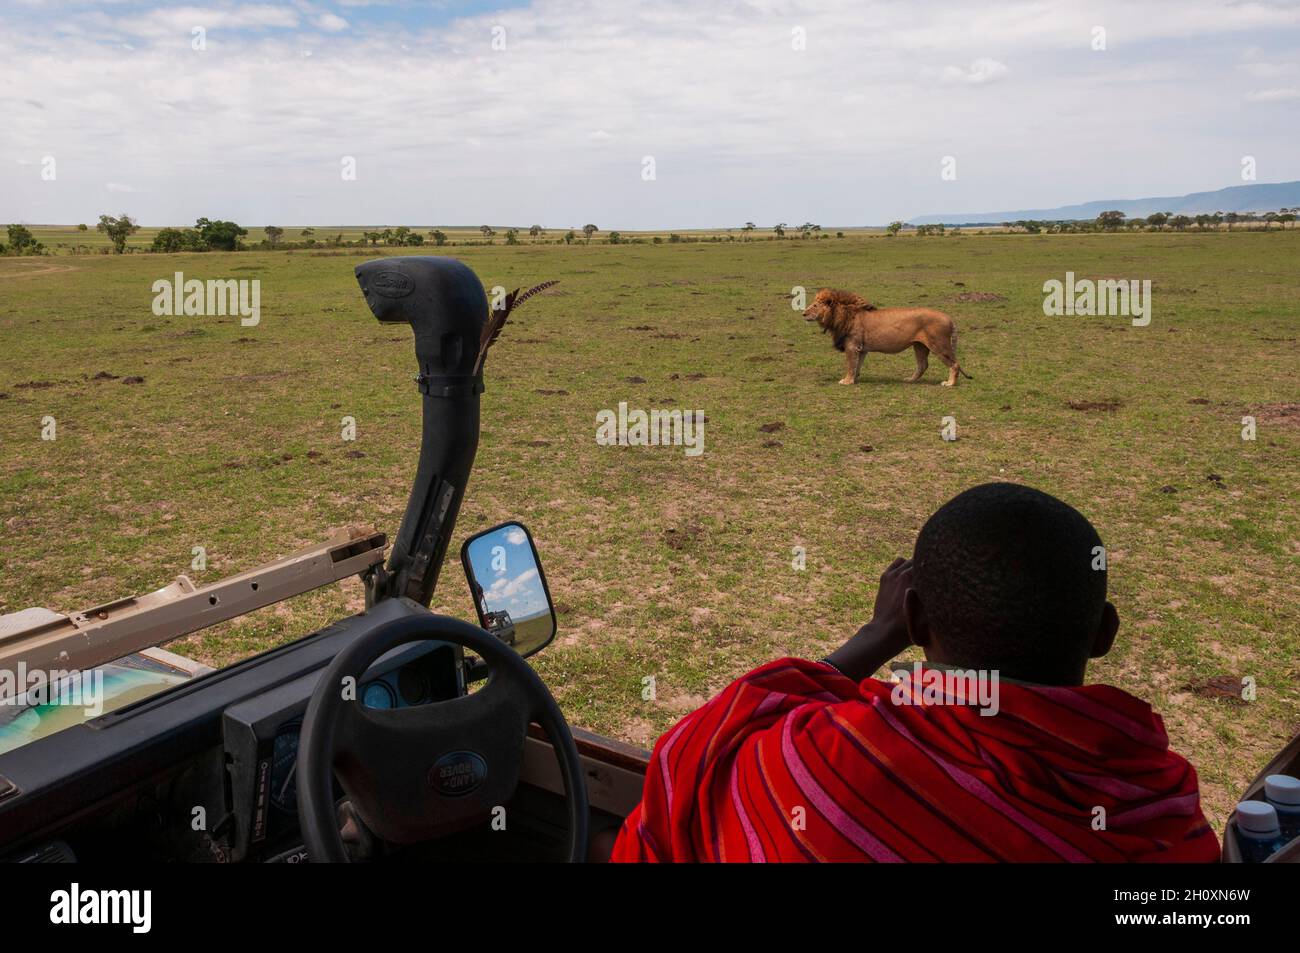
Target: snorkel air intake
446 306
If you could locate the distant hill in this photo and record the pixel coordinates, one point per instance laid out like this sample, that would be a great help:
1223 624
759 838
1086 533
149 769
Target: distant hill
1266 197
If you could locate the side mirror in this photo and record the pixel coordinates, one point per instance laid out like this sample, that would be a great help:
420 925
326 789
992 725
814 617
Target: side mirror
509 590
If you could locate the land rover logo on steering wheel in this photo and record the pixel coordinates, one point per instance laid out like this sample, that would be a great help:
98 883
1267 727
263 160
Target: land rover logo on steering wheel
392 284
457 773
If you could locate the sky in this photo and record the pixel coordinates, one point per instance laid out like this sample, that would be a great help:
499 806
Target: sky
517 587
632 115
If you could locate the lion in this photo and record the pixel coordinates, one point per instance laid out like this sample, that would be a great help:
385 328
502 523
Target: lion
859 326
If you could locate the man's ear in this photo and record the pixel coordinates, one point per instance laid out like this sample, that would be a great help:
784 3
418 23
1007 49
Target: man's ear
1105 637
918 627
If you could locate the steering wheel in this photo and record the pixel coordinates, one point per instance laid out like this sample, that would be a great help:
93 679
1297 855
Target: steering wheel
414 773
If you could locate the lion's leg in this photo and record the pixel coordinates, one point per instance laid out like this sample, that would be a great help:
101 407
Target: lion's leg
852 364
953 367
947 352
922 361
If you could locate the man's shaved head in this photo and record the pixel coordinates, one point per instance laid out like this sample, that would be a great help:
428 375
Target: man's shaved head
1005 575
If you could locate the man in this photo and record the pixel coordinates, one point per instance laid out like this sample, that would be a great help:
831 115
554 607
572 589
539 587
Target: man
992 750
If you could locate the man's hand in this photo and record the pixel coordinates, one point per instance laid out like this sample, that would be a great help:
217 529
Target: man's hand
886 634
887 617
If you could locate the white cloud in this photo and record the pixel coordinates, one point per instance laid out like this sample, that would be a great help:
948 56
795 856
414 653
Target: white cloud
505 588
516 536
178 21
1277 95
331 23
1267 70
742 127
982 70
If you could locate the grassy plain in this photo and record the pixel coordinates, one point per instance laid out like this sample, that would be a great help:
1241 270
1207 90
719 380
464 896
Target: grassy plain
680 567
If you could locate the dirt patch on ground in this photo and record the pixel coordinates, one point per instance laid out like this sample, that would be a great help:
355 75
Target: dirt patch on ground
32 269
1225 688
979 296
684 537
1286 414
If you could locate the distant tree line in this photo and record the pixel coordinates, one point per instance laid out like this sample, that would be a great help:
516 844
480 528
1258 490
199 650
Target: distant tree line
1116 221
220 235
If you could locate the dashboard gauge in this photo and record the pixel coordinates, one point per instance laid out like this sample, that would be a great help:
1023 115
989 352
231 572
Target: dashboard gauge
377 695
284 768
412 685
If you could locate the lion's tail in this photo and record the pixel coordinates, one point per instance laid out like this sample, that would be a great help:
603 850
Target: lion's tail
953 338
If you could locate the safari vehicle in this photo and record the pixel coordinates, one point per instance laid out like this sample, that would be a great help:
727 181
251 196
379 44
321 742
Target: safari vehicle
500 625
366 740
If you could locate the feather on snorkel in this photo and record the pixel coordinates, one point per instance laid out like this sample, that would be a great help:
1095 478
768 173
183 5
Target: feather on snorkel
497 319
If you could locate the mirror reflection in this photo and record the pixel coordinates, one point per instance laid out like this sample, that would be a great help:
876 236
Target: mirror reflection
509 588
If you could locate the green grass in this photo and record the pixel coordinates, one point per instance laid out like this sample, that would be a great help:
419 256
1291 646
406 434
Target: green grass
667 566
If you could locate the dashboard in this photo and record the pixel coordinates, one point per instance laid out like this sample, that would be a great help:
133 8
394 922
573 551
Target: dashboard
260 739
135 781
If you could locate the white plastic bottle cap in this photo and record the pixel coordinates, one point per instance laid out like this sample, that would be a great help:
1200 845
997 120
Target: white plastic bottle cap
1258 819
1282 789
